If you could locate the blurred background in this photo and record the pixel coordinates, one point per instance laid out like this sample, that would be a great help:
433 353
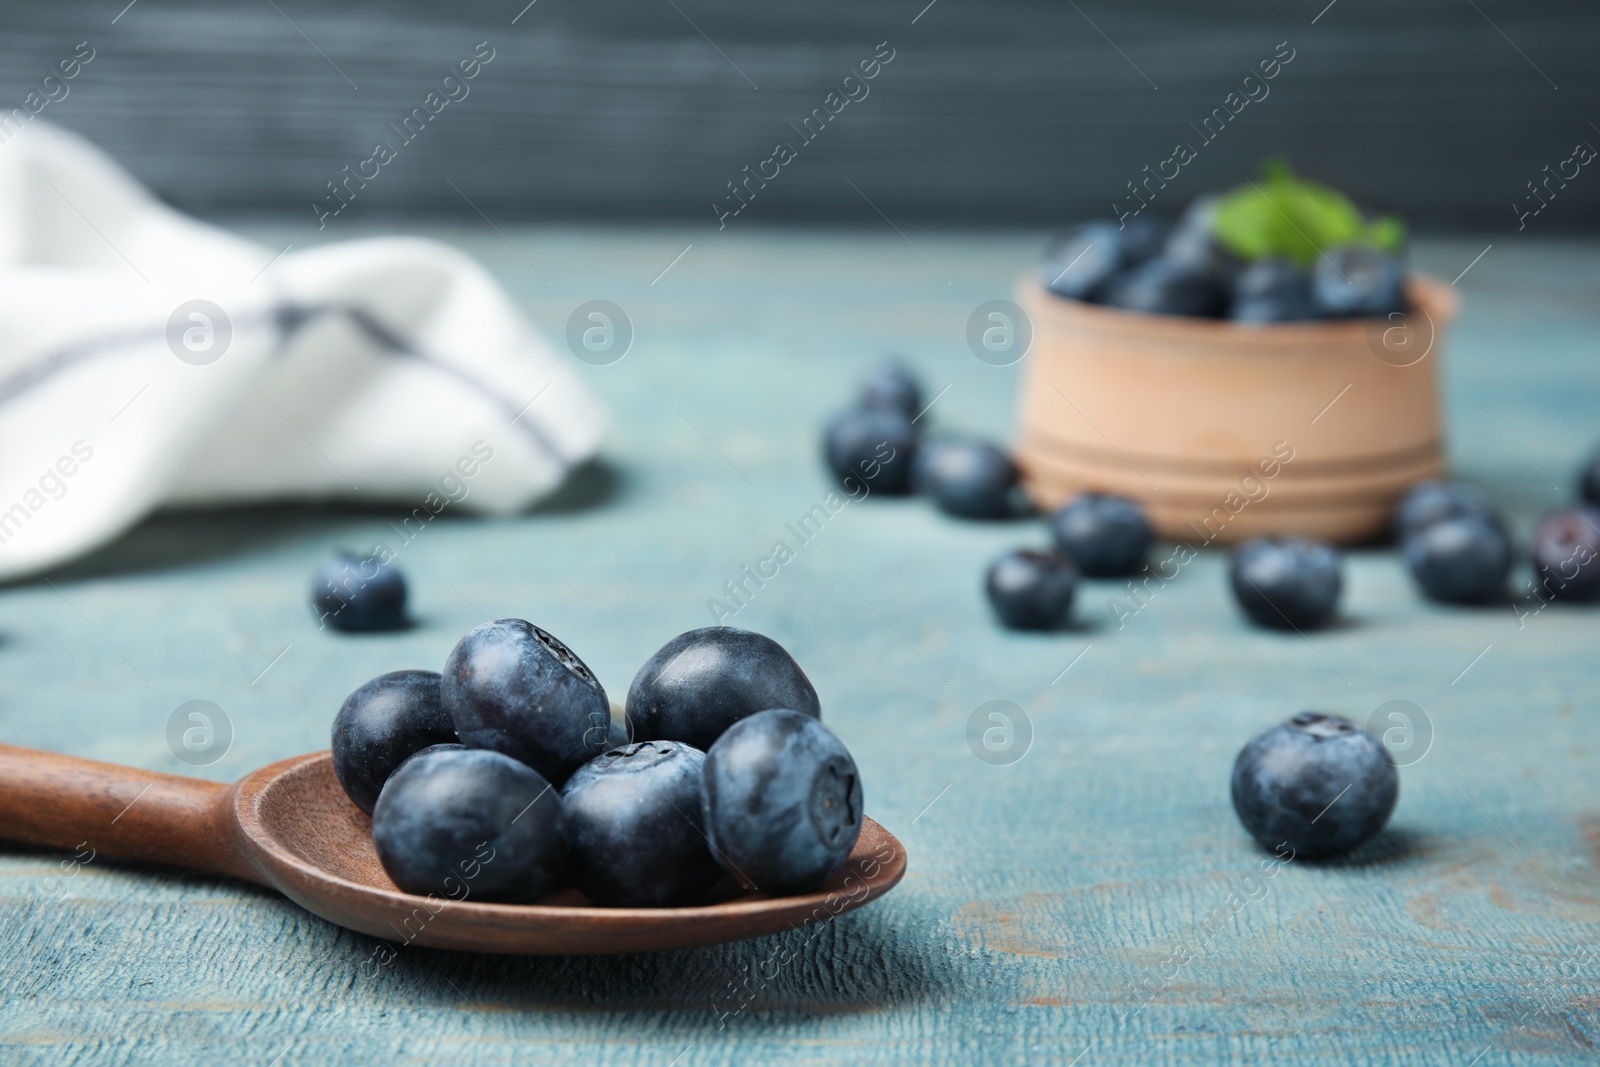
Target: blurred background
1008 111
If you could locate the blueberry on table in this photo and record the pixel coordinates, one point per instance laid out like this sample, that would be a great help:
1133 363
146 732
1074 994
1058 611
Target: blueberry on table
1272 290
1566 553
782 802
1589 482
638 835
1358 281
511 687
1286 582
1460 561
382 724
1164 287
967 478
468 824
1106 535
702 682
1434 501
870 449
359 594
891 387
1317 784
1031 590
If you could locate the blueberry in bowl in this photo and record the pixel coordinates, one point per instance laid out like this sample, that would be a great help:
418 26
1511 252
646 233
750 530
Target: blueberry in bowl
1358 281
1566 553
381 725
782 801
1286 582
1436 500
1031 590
1080 263
1317 785
1163 286
1462 560
471 824
701 682
891 387
1272 290
638 835
359 594
1193 242
871 449
1106 535
968 478
514 688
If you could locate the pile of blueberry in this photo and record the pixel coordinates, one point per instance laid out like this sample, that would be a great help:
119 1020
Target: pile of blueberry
875 446
1281 249
505 777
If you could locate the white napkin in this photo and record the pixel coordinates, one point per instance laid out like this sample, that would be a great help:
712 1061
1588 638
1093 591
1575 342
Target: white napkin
391 370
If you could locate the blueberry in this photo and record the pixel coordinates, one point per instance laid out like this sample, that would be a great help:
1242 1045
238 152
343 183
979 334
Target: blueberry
380 725
1081 260
1460 561
702 682
1143 237
469 824
638 836
1589 482
1031 590
891 387
1105 535
1272 290
972 479
1318 784
359 594
782 801
1357 281
1165 287
1566 553
1286 582
871 448
511 687
1434 501
1193 244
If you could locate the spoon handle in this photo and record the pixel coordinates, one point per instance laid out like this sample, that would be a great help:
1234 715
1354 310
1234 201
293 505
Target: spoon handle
66 802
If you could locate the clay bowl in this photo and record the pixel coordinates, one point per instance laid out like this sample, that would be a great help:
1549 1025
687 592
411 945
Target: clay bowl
289 826
1225 432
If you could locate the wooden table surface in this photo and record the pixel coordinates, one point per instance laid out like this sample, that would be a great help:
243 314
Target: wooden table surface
1093 902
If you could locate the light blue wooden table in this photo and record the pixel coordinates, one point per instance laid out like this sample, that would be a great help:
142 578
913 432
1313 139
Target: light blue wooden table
1061 909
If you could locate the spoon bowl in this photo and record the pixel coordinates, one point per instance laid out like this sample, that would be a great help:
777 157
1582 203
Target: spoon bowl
289 826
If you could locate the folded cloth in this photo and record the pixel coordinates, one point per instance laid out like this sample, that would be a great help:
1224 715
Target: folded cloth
149 358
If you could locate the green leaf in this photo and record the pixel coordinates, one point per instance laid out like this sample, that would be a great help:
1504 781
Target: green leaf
1287 216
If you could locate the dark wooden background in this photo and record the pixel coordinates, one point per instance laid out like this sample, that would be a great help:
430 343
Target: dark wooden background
1016 111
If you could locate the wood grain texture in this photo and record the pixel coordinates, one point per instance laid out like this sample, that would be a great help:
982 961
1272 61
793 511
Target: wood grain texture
1046 900
1015 109
66 803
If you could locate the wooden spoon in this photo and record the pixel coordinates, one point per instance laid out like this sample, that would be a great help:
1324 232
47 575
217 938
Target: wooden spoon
291 827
